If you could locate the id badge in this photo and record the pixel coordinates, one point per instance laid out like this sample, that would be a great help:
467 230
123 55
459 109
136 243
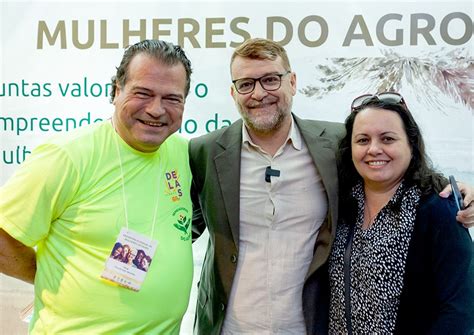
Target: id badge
130 259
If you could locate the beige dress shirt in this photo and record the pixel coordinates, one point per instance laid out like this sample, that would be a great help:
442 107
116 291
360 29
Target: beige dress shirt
279 223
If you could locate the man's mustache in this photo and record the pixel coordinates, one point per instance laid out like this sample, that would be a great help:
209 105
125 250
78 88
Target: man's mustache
260 104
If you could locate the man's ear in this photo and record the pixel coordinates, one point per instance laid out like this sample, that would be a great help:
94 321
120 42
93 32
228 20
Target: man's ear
117 92
293 83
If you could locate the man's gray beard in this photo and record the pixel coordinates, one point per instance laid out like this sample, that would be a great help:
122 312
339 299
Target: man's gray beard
270 126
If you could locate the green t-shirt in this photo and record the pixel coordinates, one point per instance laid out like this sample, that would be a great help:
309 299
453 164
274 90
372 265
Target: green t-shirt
67 200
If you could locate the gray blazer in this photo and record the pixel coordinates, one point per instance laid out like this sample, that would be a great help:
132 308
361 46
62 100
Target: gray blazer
215 164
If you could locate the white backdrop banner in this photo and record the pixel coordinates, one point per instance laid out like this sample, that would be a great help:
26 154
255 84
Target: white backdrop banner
57 60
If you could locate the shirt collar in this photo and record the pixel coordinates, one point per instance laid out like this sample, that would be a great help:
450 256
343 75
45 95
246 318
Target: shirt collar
294 136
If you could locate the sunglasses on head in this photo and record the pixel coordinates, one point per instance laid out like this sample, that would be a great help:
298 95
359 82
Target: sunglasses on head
388 97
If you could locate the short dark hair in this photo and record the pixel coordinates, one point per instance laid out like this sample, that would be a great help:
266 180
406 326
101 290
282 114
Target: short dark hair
420 171
166 52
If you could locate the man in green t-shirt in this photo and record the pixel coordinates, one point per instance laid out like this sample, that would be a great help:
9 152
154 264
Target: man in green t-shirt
99 219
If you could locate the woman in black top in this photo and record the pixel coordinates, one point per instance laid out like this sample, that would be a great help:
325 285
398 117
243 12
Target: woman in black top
400 261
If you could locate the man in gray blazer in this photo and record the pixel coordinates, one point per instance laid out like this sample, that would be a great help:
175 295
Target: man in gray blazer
266 188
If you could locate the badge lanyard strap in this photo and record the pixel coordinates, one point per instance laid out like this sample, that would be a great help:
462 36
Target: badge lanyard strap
124 200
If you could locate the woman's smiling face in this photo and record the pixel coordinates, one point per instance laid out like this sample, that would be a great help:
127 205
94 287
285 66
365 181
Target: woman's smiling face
381 152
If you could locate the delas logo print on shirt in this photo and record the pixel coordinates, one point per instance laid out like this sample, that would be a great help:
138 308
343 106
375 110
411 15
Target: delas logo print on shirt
183 222
173 186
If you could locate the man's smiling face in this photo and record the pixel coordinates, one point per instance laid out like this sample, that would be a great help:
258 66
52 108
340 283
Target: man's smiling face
149 107
263 111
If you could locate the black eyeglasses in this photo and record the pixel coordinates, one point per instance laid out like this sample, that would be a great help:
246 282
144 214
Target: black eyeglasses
269 82
389 97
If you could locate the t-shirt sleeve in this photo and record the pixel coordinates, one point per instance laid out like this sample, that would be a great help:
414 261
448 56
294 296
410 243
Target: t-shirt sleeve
37 194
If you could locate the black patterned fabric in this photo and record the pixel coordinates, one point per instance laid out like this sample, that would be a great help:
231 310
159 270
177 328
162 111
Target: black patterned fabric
377 264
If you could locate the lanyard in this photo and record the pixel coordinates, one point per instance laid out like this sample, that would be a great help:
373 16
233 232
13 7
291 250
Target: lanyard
122 177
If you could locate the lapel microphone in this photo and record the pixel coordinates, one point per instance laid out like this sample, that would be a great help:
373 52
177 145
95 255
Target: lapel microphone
269 172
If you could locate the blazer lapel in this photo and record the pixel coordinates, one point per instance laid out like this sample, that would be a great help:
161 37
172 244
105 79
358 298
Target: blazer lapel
228 173
322 151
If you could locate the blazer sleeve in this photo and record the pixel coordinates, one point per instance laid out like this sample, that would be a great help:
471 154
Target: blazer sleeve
198 225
